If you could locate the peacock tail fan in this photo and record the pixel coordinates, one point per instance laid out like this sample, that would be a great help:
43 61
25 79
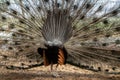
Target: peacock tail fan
84 33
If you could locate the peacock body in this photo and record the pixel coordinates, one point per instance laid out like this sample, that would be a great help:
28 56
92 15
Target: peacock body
61 31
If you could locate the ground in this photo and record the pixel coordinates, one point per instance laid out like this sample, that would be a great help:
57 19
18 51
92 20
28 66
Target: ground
66 72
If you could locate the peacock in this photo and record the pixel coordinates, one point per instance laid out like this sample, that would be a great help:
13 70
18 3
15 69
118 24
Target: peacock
84 33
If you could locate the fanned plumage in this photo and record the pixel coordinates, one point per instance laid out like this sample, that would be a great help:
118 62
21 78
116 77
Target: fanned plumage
80 32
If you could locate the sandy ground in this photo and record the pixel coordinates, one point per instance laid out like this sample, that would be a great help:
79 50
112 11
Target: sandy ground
63 72
66 72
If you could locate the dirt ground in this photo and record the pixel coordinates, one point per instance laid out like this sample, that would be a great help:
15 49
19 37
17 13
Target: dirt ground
66 72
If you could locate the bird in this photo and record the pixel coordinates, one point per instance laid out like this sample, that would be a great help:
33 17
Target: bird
77 32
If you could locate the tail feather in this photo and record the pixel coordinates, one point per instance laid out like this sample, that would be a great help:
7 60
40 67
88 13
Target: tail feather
87 58
79 25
